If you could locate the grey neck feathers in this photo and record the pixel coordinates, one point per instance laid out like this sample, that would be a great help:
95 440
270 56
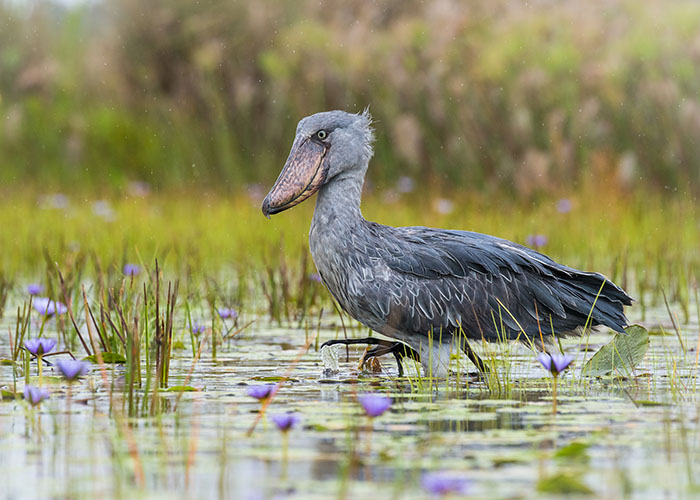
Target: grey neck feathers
339 200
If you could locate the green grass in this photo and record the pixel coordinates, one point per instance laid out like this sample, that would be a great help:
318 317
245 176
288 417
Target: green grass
179 399
642 243
221 252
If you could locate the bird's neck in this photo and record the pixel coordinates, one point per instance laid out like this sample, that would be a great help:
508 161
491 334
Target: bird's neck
339 201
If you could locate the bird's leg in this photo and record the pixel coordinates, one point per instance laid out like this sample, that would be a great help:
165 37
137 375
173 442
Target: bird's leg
474 357
398 349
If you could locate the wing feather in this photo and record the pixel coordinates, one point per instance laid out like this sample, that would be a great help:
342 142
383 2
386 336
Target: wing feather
480 282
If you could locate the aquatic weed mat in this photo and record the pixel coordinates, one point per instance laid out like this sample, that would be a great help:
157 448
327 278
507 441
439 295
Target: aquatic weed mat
635 436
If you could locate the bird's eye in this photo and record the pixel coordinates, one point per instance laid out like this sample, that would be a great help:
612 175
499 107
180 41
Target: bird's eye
322 134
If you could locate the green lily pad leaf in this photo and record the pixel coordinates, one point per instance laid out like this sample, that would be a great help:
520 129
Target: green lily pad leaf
9 395
274 379
178 345
502 462
563 484
6 362
646 402
576 451
181 388
107 357
47 379
621 355
319 427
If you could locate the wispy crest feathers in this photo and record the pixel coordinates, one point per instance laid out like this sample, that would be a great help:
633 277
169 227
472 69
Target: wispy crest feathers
369 131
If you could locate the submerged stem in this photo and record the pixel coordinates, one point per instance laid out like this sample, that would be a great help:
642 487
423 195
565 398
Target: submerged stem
368 466
285 453
41 368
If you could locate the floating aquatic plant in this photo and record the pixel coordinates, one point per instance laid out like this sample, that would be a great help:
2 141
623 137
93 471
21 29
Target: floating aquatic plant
555 364
48 307
35 395
71 369
261 392
285 422
197 329
374 404
39 347
621 355
442 484
226 313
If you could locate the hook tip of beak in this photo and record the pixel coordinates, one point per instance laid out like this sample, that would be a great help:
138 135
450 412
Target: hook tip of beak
266 208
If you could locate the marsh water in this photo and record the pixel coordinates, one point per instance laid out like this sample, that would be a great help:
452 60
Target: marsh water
625 437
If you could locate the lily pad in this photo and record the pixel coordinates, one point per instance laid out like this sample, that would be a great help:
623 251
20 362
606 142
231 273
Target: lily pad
181 388
107 357
47 379
621 355
9 395
563 484
274 378
575 451
645 402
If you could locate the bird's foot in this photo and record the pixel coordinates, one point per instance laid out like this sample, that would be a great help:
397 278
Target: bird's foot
382 347
398 349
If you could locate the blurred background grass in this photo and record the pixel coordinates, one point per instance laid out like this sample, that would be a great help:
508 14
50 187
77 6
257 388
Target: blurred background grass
490 96
134 130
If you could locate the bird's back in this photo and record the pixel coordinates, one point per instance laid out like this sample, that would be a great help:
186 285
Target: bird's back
410 281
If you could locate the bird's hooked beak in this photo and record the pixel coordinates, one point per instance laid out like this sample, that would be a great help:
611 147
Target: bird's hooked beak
302 175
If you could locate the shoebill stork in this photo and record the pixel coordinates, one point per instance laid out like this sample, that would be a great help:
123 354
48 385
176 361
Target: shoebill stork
432 290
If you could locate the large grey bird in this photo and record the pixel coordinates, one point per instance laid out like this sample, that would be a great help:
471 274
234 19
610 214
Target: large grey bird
430 289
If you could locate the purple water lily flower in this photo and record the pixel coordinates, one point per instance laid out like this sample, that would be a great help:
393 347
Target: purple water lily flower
285 421
374 404
131 270
440 483
35 288
39 347
35 395
226 313
198 329
564 205
261 392
536 240
555 363
49 307
72 369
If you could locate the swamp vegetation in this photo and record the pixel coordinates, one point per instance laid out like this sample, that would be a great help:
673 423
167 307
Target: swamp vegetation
136 142
202 304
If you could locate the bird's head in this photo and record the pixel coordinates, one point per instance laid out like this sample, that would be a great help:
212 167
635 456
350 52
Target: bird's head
327 146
